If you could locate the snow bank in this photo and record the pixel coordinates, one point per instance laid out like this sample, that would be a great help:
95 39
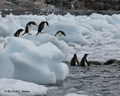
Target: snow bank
11 23
75 27
12 87
44 38
22 59
74 94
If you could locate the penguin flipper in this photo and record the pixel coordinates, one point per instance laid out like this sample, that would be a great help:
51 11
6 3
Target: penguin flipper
87 63
23 34
78 62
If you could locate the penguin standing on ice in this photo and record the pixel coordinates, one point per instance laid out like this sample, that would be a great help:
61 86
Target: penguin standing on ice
29 27
84 62
17 33
59 34
74 61
42 26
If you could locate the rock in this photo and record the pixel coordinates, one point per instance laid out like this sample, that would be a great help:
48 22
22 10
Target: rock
95 63
117 62
110 61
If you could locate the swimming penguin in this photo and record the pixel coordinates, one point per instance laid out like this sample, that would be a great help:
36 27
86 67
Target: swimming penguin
74 61
41 26
29 27
59 34
84 61
17 33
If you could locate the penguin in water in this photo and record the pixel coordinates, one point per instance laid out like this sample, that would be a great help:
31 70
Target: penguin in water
59 34
42 26
84 62
74 61
29 27
17 33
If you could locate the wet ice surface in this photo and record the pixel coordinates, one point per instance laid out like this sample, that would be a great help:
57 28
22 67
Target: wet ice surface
97 80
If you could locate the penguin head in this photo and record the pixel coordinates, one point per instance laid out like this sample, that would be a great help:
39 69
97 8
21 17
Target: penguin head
47 23
32 22
21 30
59 34
86 55
75 55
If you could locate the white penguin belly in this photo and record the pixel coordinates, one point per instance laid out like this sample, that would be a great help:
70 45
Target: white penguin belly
58 36
30 28
76 63
86 64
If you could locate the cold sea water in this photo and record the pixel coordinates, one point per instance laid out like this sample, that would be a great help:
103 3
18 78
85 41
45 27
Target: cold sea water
97 80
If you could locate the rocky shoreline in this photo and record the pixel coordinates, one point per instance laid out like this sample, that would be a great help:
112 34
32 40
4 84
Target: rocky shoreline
60 12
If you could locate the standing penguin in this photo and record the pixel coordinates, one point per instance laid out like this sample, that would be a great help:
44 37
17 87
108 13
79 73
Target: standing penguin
84 61
17 33
42 26
59 34
74 61
29 27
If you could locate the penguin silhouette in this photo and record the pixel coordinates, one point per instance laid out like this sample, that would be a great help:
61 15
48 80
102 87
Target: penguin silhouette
29 27
59 34
17 33
41 26
74 61
84 62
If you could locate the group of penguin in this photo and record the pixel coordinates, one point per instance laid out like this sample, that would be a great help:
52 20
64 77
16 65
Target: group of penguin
83 62
30 25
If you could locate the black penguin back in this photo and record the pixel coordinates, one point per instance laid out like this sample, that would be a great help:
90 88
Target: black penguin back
63 33
84 61
26 28
74 61
41 26
17 33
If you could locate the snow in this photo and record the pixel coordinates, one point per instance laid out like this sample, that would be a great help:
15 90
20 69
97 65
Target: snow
11 87
98 35
20 58
73 94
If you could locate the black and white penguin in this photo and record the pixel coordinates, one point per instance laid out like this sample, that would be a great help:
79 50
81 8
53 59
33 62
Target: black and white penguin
84 61
17 33
29 27
74 61
59 34
42 26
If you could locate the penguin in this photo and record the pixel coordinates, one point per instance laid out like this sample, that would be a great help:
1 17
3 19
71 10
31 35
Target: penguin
29 27
84 62
59 34
41 26
17 33
74 61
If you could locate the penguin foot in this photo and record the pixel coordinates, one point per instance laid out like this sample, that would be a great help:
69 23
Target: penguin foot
29 34
42 32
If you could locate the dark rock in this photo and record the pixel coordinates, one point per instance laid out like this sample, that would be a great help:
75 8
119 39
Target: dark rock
110 61
95 63
117 62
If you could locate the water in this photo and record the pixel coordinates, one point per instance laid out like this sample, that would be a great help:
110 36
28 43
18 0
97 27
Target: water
97 80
